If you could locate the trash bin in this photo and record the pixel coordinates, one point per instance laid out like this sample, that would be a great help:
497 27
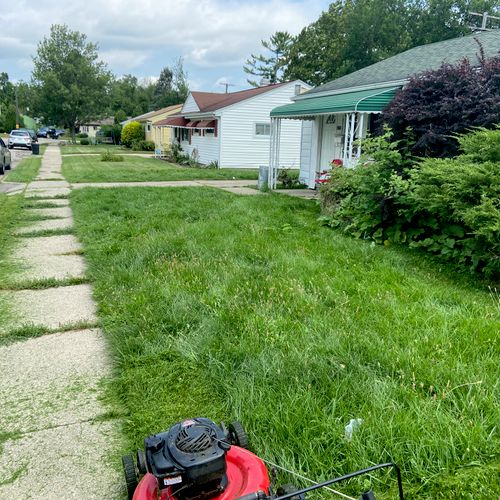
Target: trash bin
35 148
263 178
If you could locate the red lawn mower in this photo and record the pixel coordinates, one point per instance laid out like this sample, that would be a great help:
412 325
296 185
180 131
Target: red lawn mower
199 460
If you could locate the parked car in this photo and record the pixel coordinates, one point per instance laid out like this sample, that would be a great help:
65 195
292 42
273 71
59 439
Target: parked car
5 157
58 133
20 138
31 132
42 132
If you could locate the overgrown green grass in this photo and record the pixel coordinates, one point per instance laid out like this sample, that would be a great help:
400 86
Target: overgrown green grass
245 308
26 171
91 169
10 208
97 149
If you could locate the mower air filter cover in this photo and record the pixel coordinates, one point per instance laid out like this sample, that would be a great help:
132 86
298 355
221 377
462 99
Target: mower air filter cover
192 452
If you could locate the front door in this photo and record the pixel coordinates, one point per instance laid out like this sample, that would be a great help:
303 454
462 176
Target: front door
331 140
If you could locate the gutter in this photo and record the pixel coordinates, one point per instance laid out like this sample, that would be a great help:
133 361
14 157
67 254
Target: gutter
345 90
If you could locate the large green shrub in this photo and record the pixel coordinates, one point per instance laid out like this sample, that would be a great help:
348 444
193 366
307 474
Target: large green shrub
131 132
448 207
143 145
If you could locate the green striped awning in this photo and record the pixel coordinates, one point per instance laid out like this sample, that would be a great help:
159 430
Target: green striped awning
374 100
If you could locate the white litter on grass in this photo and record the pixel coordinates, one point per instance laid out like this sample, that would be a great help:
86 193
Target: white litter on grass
354 423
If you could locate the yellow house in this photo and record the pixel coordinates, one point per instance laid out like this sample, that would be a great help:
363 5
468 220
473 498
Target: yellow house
159 135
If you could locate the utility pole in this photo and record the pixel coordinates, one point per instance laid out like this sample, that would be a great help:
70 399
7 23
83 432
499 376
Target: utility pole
17 110
226 84
484 23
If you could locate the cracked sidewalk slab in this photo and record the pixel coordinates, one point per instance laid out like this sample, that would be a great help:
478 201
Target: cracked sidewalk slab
51 307
47 193
52 380
62 202
46 225
61 212
46 245
70 462
42 267
47 185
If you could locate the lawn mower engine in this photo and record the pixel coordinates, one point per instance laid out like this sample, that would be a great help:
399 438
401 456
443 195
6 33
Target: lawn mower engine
195 460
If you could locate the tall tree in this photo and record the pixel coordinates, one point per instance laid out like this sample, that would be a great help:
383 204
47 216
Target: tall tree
353 34
272 65
71 83
163 89
172 86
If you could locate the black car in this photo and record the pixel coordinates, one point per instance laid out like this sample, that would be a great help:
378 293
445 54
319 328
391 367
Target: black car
52 132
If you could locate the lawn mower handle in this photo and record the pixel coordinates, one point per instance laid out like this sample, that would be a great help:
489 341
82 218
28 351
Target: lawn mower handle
260 495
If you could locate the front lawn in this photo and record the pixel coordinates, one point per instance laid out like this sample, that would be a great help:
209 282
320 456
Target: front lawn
246 308
10 208
26 171
97 148
133 168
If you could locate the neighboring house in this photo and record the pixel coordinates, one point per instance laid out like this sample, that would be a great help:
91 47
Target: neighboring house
233 129
338 113
92 127
161 137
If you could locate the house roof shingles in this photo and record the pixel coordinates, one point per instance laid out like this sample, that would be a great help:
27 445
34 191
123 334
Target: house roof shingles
211 101
152 114
425 57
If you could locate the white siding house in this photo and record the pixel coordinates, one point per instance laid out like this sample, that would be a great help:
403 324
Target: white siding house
234 129
337 114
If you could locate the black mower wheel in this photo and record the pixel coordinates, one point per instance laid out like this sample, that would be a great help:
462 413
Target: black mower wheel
286 489
238 435
131 479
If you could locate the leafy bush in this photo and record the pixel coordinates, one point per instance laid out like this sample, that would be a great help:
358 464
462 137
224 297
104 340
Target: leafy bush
84 142
441 103
288 179
448 207
109 156
214 164
82 135
131 132
143 145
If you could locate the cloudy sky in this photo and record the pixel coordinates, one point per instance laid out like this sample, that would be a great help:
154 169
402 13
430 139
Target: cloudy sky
142 36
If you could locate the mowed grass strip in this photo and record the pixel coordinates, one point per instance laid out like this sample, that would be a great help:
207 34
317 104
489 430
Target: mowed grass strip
26 171
245 308
136 169
98 149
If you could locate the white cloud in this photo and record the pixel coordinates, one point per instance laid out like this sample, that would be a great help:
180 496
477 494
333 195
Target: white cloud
144 36
123 58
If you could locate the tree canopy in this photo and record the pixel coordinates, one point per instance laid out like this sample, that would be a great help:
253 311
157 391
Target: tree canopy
172 86
71 83
353 34
270 67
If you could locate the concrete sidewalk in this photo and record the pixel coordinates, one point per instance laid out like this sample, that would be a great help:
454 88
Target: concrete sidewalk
59 441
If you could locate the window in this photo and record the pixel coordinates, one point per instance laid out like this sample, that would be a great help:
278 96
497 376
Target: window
184 134
149 127
262 129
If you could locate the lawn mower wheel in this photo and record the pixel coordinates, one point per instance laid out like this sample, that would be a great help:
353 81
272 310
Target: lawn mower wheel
131 479
238 435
